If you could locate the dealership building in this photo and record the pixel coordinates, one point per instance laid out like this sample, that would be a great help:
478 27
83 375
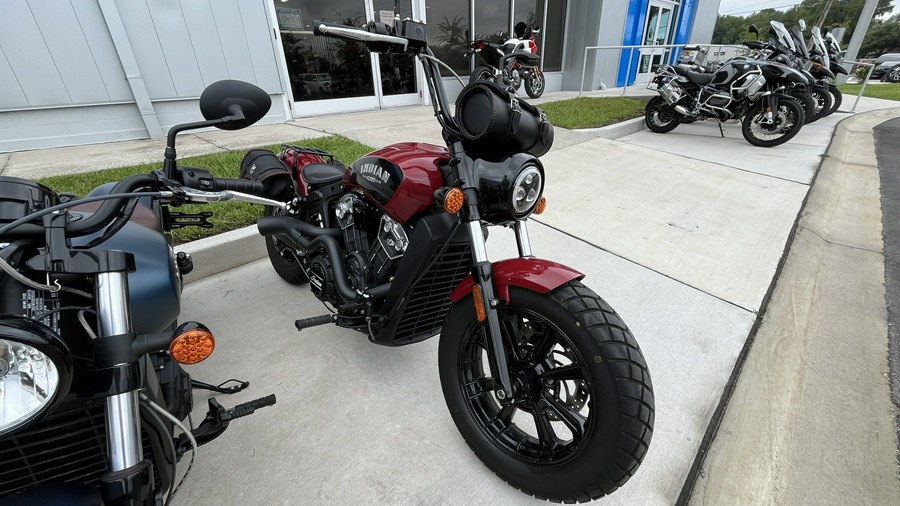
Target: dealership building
86 71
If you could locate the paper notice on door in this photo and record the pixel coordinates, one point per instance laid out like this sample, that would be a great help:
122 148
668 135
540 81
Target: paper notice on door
387 17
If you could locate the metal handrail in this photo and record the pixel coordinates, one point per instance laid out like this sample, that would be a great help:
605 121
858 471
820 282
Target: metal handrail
631 57
865 82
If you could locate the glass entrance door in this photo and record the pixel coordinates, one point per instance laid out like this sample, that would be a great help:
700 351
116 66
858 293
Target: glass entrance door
332 75
656 32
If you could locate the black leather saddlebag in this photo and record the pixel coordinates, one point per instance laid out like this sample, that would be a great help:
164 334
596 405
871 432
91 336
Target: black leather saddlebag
262 165
494 121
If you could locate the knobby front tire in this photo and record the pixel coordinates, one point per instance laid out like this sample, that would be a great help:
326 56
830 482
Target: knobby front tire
581 419
283 261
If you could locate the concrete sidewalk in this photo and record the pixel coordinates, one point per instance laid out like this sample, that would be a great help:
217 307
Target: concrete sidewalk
682 233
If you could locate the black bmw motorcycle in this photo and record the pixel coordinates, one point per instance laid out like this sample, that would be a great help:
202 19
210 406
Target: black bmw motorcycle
753 91
93 396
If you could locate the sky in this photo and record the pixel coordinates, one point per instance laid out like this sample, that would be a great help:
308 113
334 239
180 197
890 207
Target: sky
745 7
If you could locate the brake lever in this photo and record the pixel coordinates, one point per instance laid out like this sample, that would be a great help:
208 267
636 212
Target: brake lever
200 196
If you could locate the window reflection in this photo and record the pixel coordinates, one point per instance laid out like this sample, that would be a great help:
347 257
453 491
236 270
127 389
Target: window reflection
448 33
321 67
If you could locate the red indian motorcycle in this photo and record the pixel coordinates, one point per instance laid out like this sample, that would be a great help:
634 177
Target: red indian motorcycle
543 379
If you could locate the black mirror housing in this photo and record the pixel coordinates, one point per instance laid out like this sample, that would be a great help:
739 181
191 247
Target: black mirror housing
237 103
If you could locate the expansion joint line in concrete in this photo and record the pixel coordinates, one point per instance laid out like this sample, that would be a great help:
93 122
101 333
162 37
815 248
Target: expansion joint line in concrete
211 143
842 245
650 269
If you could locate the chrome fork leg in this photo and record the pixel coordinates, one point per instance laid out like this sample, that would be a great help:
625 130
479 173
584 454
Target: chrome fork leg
123 430
522 239
482 276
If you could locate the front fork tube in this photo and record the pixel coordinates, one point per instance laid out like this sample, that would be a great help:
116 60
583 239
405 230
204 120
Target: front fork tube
122 419
482 276
129 480
771 107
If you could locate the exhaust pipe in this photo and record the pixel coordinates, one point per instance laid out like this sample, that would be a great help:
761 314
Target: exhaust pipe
680 109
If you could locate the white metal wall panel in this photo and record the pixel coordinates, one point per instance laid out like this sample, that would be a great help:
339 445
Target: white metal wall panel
29 58
233 41
704 21
69 50
11 94
173 35
144 41
103 52
69 126
205 40
260 39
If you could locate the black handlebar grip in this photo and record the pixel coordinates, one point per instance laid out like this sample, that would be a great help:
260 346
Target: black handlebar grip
239 185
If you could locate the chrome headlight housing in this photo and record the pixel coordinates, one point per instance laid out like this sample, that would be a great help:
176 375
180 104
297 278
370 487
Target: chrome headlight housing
35 372
510 189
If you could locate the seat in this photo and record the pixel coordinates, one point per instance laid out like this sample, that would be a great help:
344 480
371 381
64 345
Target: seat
694 77
316 174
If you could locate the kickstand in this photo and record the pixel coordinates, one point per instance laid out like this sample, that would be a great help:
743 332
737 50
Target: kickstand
721 130
221 388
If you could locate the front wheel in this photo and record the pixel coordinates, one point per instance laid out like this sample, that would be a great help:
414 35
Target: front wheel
808 102
660 117
283 257
822 99
836 98
785 123
580 419
534 83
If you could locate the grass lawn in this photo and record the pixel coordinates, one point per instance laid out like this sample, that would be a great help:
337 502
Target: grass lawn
592 112
888 91
226 216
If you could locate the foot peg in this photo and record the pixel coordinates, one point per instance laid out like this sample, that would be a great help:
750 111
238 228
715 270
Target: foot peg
315 321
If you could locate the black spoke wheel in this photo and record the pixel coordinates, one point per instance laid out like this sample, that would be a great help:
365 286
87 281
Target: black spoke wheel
822 100
283 258
787 120
660 117
836 98
808 102
581 417
534 83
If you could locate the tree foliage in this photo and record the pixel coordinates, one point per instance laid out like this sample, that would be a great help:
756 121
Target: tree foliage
883 34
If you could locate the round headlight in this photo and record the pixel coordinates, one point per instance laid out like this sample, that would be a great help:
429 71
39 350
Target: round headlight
29 382
527 190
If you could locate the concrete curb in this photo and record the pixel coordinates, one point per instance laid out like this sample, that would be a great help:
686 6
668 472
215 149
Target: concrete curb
223 252
838 155
617 130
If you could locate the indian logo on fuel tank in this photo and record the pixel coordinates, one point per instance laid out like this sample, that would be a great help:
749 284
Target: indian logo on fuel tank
373 172
376 176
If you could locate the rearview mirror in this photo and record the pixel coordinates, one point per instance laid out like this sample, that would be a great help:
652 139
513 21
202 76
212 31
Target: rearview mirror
237 103
754 30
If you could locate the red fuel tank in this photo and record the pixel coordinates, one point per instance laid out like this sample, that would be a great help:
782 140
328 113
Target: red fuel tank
400 178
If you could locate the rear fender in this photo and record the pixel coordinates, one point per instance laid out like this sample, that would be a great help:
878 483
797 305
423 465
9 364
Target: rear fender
535 274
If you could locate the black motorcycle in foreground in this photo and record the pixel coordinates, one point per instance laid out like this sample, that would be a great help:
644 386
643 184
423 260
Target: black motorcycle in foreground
753 91
543 379
93 398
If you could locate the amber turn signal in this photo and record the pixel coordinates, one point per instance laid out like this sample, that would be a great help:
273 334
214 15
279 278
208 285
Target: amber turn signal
192 346
453 200
479 303
541 205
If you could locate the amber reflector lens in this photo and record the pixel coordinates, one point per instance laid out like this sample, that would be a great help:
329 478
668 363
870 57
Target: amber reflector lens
192 346
479 303
453 200
542 204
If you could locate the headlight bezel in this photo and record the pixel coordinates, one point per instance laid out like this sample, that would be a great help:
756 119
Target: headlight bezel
498 182
30 333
